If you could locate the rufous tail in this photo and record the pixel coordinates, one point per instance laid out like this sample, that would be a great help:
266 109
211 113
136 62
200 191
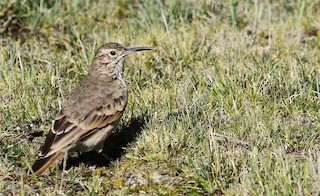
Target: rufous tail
42 164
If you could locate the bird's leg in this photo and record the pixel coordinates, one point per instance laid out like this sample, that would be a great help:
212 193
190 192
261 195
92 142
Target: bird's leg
64 165
105 156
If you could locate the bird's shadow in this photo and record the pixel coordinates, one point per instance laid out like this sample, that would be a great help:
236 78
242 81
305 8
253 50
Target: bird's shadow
114 146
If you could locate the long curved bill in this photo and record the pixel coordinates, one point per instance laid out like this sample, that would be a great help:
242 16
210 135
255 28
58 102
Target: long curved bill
137 49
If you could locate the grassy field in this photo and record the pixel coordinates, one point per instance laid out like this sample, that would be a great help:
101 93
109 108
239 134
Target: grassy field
228 103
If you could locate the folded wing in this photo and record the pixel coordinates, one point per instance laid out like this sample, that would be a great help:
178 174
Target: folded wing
65 132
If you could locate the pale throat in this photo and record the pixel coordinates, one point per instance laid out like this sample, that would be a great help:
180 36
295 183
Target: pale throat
111 70
118 70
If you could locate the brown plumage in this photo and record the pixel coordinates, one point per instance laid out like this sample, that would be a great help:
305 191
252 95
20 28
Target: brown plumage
93 109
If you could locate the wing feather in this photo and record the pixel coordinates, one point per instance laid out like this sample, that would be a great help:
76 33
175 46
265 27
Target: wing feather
65 132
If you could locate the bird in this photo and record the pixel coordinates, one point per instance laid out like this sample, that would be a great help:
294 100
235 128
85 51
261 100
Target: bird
93 109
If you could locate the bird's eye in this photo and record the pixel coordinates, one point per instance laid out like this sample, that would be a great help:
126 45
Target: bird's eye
112 53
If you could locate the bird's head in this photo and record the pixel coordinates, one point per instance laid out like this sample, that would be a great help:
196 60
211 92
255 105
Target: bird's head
110 57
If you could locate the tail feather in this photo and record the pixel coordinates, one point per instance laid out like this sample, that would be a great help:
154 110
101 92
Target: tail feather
42 164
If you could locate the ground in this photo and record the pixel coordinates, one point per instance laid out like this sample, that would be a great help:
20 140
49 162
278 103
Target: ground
227 103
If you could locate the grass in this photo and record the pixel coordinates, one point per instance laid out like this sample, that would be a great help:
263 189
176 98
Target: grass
228 103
